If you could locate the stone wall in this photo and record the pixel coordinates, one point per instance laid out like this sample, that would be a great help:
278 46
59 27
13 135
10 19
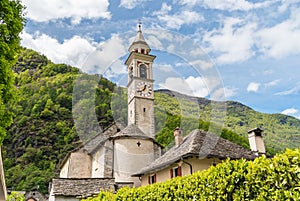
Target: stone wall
108 159
80 165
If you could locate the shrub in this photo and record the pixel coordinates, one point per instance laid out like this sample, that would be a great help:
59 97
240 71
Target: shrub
262 179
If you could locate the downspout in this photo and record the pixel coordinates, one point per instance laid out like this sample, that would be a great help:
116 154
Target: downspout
191 167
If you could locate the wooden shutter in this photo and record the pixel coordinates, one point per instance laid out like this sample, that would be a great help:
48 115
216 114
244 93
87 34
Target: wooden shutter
155 178
179 171
171 173
149 179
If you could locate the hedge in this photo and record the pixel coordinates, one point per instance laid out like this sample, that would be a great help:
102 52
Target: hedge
262 179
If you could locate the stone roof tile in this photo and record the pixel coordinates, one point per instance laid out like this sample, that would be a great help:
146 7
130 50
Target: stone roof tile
81 187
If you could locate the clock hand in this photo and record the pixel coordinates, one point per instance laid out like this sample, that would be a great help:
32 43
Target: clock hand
144 88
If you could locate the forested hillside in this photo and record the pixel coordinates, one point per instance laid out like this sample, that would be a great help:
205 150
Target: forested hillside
43 130
280 131
48 102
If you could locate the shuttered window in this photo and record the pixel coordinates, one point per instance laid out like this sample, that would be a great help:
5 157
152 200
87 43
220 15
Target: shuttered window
175 172
152 179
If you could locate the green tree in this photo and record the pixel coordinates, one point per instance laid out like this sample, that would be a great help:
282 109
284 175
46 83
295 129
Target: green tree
11 24
15 196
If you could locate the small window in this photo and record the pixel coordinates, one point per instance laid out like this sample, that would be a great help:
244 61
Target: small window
152 179
131 73
175 172
144 109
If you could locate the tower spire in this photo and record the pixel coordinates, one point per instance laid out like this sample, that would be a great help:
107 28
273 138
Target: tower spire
139 44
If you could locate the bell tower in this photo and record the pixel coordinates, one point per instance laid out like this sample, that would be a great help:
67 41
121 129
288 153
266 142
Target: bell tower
140 85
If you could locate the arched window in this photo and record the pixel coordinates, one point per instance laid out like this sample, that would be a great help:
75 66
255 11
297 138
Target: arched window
143 71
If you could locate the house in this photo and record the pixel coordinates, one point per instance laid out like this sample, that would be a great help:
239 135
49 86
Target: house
131 156
197 151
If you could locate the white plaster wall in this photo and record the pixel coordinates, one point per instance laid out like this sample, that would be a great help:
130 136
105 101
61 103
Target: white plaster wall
145 120
98 163
65 169
80 165
252 142
260 144
197 164
129 158
131 112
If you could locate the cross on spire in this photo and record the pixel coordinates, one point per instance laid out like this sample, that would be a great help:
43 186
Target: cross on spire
140 24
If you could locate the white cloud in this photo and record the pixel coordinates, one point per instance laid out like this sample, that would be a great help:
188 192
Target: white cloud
290 111
285 4
268 72
165 8
253 86
194 86
272 83
203 64
198 86
175 21
117 68
233 42
167 68
130 4
72 51
45 10
293 90
229 92
231 5
105 55
77 51
188 2
282 39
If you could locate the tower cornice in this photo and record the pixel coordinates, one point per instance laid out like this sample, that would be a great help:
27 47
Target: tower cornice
136 55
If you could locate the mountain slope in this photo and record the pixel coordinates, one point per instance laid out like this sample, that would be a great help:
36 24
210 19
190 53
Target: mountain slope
43 130
280 131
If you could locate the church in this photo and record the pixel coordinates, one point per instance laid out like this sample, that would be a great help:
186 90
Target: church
131 156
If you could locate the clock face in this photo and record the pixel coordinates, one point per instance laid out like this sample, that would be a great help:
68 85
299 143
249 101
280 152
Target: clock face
144 89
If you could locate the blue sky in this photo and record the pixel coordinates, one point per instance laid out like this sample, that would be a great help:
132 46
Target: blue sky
247 51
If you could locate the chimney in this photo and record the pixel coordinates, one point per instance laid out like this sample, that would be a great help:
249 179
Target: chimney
178 136
256 141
